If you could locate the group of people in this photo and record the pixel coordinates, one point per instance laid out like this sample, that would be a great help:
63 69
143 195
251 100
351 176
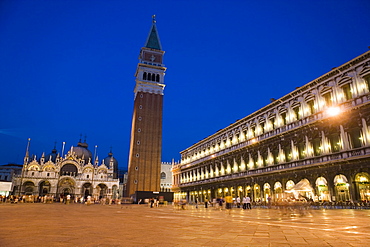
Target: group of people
66 199
228 202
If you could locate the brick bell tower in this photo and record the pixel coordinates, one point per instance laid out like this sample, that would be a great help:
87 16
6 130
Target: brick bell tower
144 165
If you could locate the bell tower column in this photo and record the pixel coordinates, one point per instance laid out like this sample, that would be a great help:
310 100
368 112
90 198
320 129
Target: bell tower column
146 131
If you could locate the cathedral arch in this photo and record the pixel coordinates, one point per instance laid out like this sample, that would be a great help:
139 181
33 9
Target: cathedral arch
102 190
44 188
28 187
34 167
49 168
86 190
66 186
69 170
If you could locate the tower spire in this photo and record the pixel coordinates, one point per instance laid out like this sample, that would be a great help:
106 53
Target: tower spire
153 41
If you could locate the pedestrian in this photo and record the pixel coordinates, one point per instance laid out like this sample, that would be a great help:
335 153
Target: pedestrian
244 203
248 200
206 203
238 202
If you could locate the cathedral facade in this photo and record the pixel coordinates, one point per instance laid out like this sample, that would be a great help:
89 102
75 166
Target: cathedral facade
76 173
312 143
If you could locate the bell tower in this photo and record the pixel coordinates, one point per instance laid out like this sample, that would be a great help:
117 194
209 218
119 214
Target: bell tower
144 165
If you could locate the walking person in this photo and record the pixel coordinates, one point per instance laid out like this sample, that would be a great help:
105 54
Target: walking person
238 202
244 203
248 200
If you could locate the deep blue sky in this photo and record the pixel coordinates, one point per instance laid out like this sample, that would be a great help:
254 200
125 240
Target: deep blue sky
67 67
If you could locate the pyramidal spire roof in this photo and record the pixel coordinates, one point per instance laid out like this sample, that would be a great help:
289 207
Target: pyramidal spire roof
153 41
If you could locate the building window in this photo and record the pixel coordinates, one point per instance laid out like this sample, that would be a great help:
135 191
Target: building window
288 153
48 174
355 137
137 155
296 112
272 122
275 153
139 118
301 150
163 175
347 94
149 76
140 106
316 146
144 76
327 98
262 128
334 142
283 117
138 142
157 78
87 176
141 95
139 130
367 80
136 168
311 107
135 181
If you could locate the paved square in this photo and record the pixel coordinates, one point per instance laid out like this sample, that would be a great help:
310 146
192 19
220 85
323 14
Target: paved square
138 225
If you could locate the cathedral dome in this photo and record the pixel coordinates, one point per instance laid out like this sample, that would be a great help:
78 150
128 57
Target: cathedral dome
110 158
52 156
81 151
107 161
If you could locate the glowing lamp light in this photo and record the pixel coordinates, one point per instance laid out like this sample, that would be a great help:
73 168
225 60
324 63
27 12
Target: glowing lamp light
333 111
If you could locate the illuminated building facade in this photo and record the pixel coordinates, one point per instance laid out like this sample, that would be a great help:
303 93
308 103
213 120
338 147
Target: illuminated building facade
166 176
76 173
314 141
144 166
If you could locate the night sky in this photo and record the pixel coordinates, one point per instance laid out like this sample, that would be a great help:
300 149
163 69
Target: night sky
67 67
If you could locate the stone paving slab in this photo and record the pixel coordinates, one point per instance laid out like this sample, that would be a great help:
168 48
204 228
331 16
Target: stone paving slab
138 225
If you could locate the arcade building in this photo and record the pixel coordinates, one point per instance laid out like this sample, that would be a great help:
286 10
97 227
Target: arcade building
312 143
76 173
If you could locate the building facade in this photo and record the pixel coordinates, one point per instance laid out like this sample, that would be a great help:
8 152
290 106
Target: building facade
76 173
144 166
7 172
166 176
312 143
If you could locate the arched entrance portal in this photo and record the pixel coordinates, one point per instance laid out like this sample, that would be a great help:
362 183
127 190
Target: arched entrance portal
278 191
102 190
87 190
28 188
256 193
266 192
363 184
44 188
341 188
66 187
322 189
